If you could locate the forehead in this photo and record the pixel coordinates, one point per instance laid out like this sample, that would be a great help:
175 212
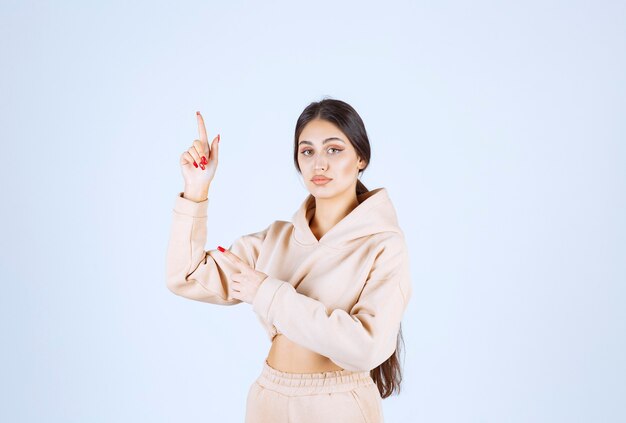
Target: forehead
317 130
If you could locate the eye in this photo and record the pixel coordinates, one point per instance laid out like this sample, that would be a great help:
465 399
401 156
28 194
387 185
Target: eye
337 150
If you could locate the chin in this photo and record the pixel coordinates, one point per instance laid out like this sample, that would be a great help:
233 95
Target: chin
322 191
325 191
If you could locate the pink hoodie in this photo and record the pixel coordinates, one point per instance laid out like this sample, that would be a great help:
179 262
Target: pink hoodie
342 296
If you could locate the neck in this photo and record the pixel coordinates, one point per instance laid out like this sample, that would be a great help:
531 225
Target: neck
329 211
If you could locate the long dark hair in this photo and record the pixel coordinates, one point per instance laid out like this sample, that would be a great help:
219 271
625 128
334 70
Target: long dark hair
387 375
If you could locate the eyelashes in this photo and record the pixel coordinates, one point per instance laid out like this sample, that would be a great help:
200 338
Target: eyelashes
338 150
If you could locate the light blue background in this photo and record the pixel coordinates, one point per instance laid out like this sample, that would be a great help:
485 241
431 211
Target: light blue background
498 129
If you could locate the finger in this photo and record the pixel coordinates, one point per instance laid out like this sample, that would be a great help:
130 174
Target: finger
233 257
214 153
202 130
187 158
201 149
193 153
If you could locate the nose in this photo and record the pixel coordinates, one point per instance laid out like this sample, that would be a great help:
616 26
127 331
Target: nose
320 163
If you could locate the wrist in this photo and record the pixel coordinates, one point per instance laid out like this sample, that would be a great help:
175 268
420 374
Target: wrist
196 194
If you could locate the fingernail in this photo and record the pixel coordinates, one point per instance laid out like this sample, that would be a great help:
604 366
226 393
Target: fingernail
195 164
218 137
204 161
221 248
198 113
202 166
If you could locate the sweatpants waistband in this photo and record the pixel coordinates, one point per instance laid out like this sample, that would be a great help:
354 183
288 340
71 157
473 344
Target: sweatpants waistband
293 384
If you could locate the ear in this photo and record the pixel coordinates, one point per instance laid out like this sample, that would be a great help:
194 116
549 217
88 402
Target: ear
361 164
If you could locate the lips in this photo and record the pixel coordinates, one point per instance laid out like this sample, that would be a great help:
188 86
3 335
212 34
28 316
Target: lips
317 179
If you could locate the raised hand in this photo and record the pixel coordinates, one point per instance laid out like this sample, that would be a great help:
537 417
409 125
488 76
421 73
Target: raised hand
199 162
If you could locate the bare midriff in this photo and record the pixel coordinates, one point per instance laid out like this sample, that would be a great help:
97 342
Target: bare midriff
290 357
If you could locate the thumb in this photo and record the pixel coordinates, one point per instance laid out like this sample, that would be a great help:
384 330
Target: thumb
214 153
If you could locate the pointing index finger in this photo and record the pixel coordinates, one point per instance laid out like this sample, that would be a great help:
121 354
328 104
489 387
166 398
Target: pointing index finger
232 256
202 129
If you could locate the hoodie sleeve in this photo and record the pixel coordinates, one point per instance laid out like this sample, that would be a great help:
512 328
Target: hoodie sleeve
194 273
359 340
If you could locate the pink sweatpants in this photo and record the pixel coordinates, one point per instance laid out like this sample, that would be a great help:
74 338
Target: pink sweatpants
340 396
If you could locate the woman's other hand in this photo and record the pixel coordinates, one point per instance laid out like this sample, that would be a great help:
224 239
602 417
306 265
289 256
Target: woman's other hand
247 281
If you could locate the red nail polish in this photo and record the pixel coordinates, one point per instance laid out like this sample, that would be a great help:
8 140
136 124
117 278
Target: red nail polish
204 161
195 164
221 248
198 113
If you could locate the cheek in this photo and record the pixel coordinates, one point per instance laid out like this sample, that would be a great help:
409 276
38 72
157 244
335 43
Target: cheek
301 163
345 166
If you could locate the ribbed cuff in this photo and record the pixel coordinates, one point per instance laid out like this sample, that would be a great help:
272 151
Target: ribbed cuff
265 296
191 208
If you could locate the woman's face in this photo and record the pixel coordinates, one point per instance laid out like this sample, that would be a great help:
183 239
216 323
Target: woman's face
323 150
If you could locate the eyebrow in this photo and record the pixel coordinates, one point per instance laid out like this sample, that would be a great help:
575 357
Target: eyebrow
323 142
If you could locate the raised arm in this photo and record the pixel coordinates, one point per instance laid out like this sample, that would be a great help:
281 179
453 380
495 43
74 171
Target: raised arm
191 271
357 340
194 273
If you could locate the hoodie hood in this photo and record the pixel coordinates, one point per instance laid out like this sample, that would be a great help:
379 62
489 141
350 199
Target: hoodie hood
374 214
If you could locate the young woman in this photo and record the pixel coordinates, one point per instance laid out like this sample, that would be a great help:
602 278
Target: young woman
330 287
